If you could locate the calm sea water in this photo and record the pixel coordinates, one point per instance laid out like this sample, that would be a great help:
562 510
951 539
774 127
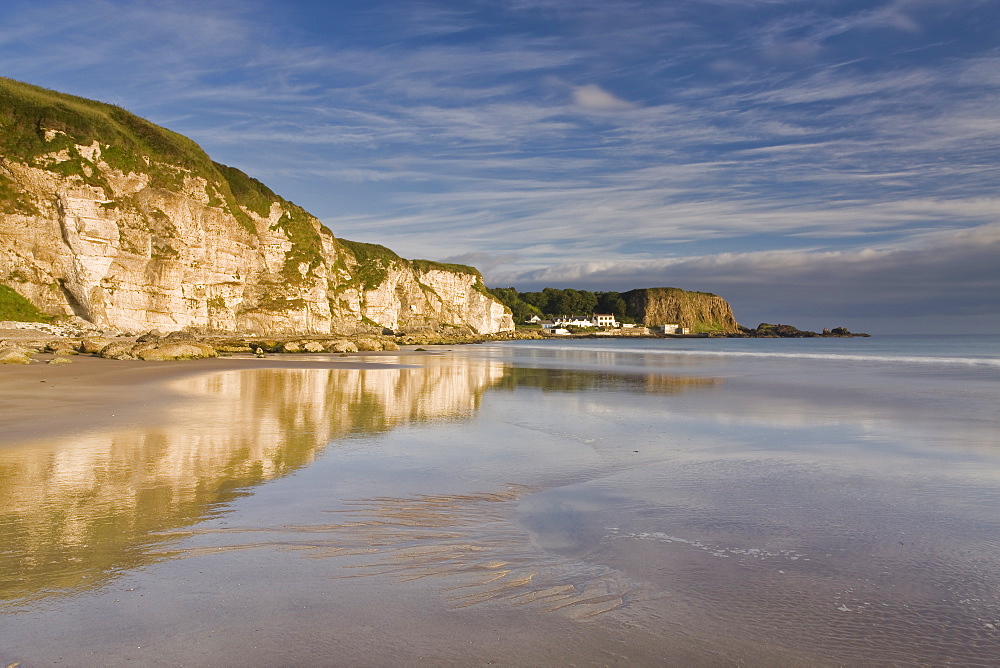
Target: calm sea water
928 350
682 501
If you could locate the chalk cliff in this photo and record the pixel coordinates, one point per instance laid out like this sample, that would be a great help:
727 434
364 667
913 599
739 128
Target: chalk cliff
125 224
701 311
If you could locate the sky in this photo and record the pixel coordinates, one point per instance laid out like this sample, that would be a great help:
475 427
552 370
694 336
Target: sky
820 163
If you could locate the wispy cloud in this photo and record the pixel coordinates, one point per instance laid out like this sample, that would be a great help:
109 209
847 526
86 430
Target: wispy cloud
592 96
555 134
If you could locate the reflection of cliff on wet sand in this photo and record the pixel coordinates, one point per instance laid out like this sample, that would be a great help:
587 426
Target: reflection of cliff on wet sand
579 380
77 510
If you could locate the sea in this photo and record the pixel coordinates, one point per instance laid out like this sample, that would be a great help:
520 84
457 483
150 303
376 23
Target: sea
619 501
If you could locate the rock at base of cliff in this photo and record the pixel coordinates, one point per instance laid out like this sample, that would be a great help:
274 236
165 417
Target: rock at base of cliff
342 346
117 350
158 351
14 355
92 345
369 344
174 350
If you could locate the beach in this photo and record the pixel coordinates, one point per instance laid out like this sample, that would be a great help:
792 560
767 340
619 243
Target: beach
600 503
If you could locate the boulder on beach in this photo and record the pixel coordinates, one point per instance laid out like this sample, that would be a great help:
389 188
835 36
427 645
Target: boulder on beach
14 355
180 335
368 344
158 351
175 350
63 346
118 350
341 346
92 345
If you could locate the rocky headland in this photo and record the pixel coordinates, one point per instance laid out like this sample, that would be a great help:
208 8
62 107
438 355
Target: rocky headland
701 312
112 220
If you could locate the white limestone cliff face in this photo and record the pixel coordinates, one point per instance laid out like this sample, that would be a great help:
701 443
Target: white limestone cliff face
127 255
411 299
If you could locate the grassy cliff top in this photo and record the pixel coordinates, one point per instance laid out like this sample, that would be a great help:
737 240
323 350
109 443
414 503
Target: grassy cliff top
433 265
673 291
27 111
35 121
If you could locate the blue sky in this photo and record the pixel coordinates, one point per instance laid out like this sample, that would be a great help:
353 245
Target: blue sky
818 162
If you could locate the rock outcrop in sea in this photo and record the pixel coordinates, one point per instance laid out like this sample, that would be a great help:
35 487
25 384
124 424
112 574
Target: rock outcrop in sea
768 331
129 226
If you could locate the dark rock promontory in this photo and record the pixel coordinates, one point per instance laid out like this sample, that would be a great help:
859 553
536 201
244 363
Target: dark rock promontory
768 331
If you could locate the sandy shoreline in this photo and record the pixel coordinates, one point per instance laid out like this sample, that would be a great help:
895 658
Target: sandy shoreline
41 400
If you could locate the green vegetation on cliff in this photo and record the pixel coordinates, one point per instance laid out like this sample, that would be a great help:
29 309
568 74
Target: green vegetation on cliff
15 307
36 122
247 190
373 262
13 200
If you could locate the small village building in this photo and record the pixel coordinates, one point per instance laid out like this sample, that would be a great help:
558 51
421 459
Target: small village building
604 320
574 321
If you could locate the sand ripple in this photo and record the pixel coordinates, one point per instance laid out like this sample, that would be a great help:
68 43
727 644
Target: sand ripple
466 540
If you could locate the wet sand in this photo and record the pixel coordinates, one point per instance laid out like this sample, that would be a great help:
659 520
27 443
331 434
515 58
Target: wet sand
449 508
42 400
105 609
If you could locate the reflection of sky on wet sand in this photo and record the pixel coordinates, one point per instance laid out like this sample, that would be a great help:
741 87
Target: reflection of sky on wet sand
728 515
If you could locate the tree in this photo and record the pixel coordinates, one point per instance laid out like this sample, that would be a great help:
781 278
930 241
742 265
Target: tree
510 298
555 302
612 302
539 300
